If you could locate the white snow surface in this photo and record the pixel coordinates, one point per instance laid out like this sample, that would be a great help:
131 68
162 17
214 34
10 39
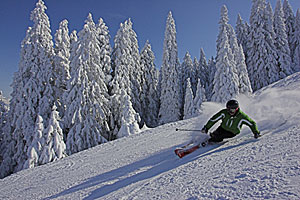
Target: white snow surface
144 166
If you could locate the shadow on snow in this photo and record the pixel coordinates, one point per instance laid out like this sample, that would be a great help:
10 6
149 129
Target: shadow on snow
142 170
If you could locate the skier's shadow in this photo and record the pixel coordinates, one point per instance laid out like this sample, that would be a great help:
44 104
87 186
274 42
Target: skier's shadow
142 170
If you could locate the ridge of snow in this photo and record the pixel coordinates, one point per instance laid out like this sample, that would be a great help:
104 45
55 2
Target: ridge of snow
144 166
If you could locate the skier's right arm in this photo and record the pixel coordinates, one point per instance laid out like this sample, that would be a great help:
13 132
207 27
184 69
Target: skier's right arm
214 119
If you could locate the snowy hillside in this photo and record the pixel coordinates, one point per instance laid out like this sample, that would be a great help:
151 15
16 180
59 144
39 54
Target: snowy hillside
144 166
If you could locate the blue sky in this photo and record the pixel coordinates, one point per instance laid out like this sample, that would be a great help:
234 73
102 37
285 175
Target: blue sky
196 24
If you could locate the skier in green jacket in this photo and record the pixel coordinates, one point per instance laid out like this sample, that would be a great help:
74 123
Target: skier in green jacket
232 121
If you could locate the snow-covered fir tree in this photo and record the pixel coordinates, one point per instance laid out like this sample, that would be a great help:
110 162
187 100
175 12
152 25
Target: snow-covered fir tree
105 59
61 63
203 72
31 90
212 69
244 81
296 41
149 93
199 98
35 150
281 43
262 56
129 118
3 119
189 72
126 66
137 71
54 147
289 21
170 107
241 30
122 66
88 111
189 107
226 81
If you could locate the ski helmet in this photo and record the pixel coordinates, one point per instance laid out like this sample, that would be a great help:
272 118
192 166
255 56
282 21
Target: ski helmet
232 104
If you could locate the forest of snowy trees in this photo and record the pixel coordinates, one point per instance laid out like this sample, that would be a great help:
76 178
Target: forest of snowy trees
75 91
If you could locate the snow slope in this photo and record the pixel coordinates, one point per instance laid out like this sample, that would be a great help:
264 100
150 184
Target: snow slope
144 166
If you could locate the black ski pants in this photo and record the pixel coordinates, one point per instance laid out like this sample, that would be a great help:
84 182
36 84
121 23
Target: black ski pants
220 134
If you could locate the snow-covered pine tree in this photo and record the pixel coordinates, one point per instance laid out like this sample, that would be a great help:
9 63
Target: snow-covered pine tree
126 67
189 107
88 107
281 43
212 69
149 93
61 64
188 72
3 120
31 86
244 82
105 50
262 56
129 118
296 41
54 147
137 72
241 30
199 98
226 81
66 121
203 71
170 107
35 150
43 53
289 21
13 128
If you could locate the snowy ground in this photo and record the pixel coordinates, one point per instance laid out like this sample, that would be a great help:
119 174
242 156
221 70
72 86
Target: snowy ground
144 166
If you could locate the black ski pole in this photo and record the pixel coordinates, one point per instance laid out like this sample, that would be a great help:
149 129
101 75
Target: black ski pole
179 129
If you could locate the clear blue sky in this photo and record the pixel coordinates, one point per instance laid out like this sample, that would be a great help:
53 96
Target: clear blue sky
196 24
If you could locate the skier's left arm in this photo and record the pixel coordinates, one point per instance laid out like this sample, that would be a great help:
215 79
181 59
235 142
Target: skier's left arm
252 125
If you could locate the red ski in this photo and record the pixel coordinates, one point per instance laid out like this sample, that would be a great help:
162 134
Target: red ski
185 150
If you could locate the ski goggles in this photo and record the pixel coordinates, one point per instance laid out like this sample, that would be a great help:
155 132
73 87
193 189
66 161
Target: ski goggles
232 110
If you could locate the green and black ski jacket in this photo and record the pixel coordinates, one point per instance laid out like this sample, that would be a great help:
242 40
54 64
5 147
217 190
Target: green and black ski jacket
232 123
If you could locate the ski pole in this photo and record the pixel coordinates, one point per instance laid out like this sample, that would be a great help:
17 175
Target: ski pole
178 129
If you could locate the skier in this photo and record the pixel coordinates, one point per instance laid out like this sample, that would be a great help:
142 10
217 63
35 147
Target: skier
232 121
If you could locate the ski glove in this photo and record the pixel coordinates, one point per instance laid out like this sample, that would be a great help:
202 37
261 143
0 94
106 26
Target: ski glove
204 130
257 135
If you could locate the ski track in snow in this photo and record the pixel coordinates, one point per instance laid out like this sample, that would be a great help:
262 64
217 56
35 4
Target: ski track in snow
144 166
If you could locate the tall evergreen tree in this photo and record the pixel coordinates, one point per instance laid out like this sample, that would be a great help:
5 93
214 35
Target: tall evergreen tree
88 111
188 72
244 81
32 90
203 71
199 98
129 118
189 107
296 41
54 147
37 145
149 93
241 30
289 21
126 73
170 107
226 80
262 56
281 42
105 51
212 69
3 120
61 63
